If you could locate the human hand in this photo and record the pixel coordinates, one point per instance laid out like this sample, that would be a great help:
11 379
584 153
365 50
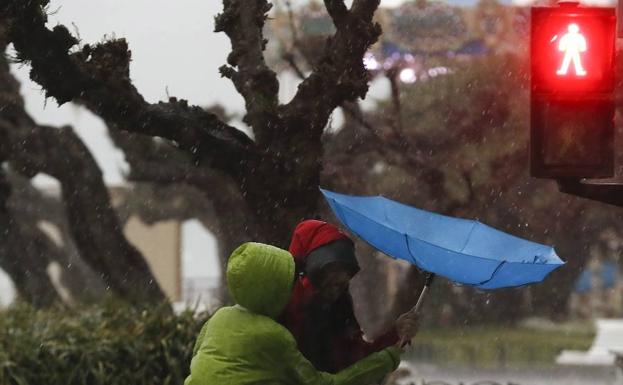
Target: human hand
407 326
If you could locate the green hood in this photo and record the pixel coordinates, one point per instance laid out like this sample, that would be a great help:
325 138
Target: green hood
260 278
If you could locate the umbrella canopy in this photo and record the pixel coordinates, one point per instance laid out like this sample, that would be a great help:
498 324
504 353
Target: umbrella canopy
464 251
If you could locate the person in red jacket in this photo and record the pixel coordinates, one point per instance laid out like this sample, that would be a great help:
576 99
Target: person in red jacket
320 312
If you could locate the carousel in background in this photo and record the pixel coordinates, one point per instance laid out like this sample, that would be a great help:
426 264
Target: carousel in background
421 39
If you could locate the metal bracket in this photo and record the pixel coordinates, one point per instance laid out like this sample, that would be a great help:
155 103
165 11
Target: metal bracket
606 192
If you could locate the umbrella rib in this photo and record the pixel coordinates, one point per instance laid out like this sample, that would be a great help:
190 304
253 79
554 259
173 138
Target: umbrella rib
492 274
469 236
339 206
411 254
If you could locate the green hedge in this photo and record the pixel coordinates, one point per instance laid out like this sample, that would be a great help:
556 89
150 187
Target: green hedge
105 344
496 346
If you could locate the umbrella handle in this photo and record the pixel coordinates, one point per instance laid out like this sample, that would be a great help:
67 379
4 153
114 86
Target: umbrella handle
420 301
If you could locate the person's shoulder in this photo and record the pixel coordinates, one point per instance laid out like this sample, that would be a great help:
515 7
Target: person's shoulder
227 315
223 312
260 326
254 320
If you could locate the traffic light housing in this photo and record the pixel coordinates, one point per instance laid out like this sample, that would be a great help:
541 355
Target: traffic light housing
572 52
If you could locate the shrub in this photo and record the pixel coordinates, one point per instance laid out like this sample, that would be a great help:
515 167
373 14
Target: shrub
102 344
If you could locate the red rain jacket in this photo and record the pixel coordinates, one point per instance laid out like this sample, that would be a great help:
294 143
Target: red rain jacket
327 335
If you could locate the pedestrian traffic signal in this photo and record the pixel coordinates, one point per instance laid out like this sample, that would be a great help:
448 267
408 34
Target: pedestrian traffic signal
572 83
572 49
572 138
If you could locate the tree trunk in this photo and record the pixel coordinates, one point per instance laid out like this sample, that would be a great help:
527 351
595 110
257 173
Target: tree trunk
92 220
21 259
99 236
35 208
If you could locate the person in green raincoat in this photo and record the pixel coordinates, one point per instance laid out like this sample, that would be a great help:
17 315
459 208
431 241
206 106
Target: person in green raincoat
244 344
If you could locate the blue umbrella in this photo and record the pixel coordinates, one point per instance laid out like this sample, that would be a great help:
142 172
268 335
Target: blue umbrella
464 251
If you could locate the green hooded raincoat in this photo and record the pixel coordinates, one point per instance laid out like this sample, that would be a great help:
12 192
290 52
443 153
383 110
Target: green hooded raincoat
243 344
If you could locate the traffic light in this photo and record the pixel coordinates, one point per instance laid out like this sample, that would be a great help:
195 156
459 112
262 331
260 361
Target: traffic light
572 52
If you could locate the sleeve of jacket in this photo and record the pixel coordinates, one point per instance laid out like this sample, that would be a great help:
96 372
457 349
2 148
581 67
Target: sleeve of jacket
368 370
381 342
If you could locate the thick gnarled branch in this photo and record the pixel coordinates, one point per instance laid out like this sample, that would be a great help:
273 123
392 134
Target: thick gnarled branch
243 21
340 74
98 77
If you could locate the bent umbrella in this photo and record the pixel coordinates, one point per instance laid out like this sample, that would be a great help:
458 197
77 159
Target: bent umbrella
464 251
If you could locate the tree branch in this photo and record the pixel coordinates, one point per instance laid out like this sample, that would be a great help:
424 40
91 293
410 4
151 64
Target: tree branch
291 60
159 162
365 8
243 21
340 74
396 119
351 108
337 10
98 77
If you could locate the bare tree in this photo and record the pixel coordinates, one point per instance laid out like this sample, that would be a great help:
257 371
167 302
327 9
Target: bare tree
258 188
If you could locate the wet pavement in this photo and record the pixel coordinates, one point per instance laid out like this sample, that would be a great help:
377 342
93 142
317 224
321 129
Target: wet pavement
427 374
